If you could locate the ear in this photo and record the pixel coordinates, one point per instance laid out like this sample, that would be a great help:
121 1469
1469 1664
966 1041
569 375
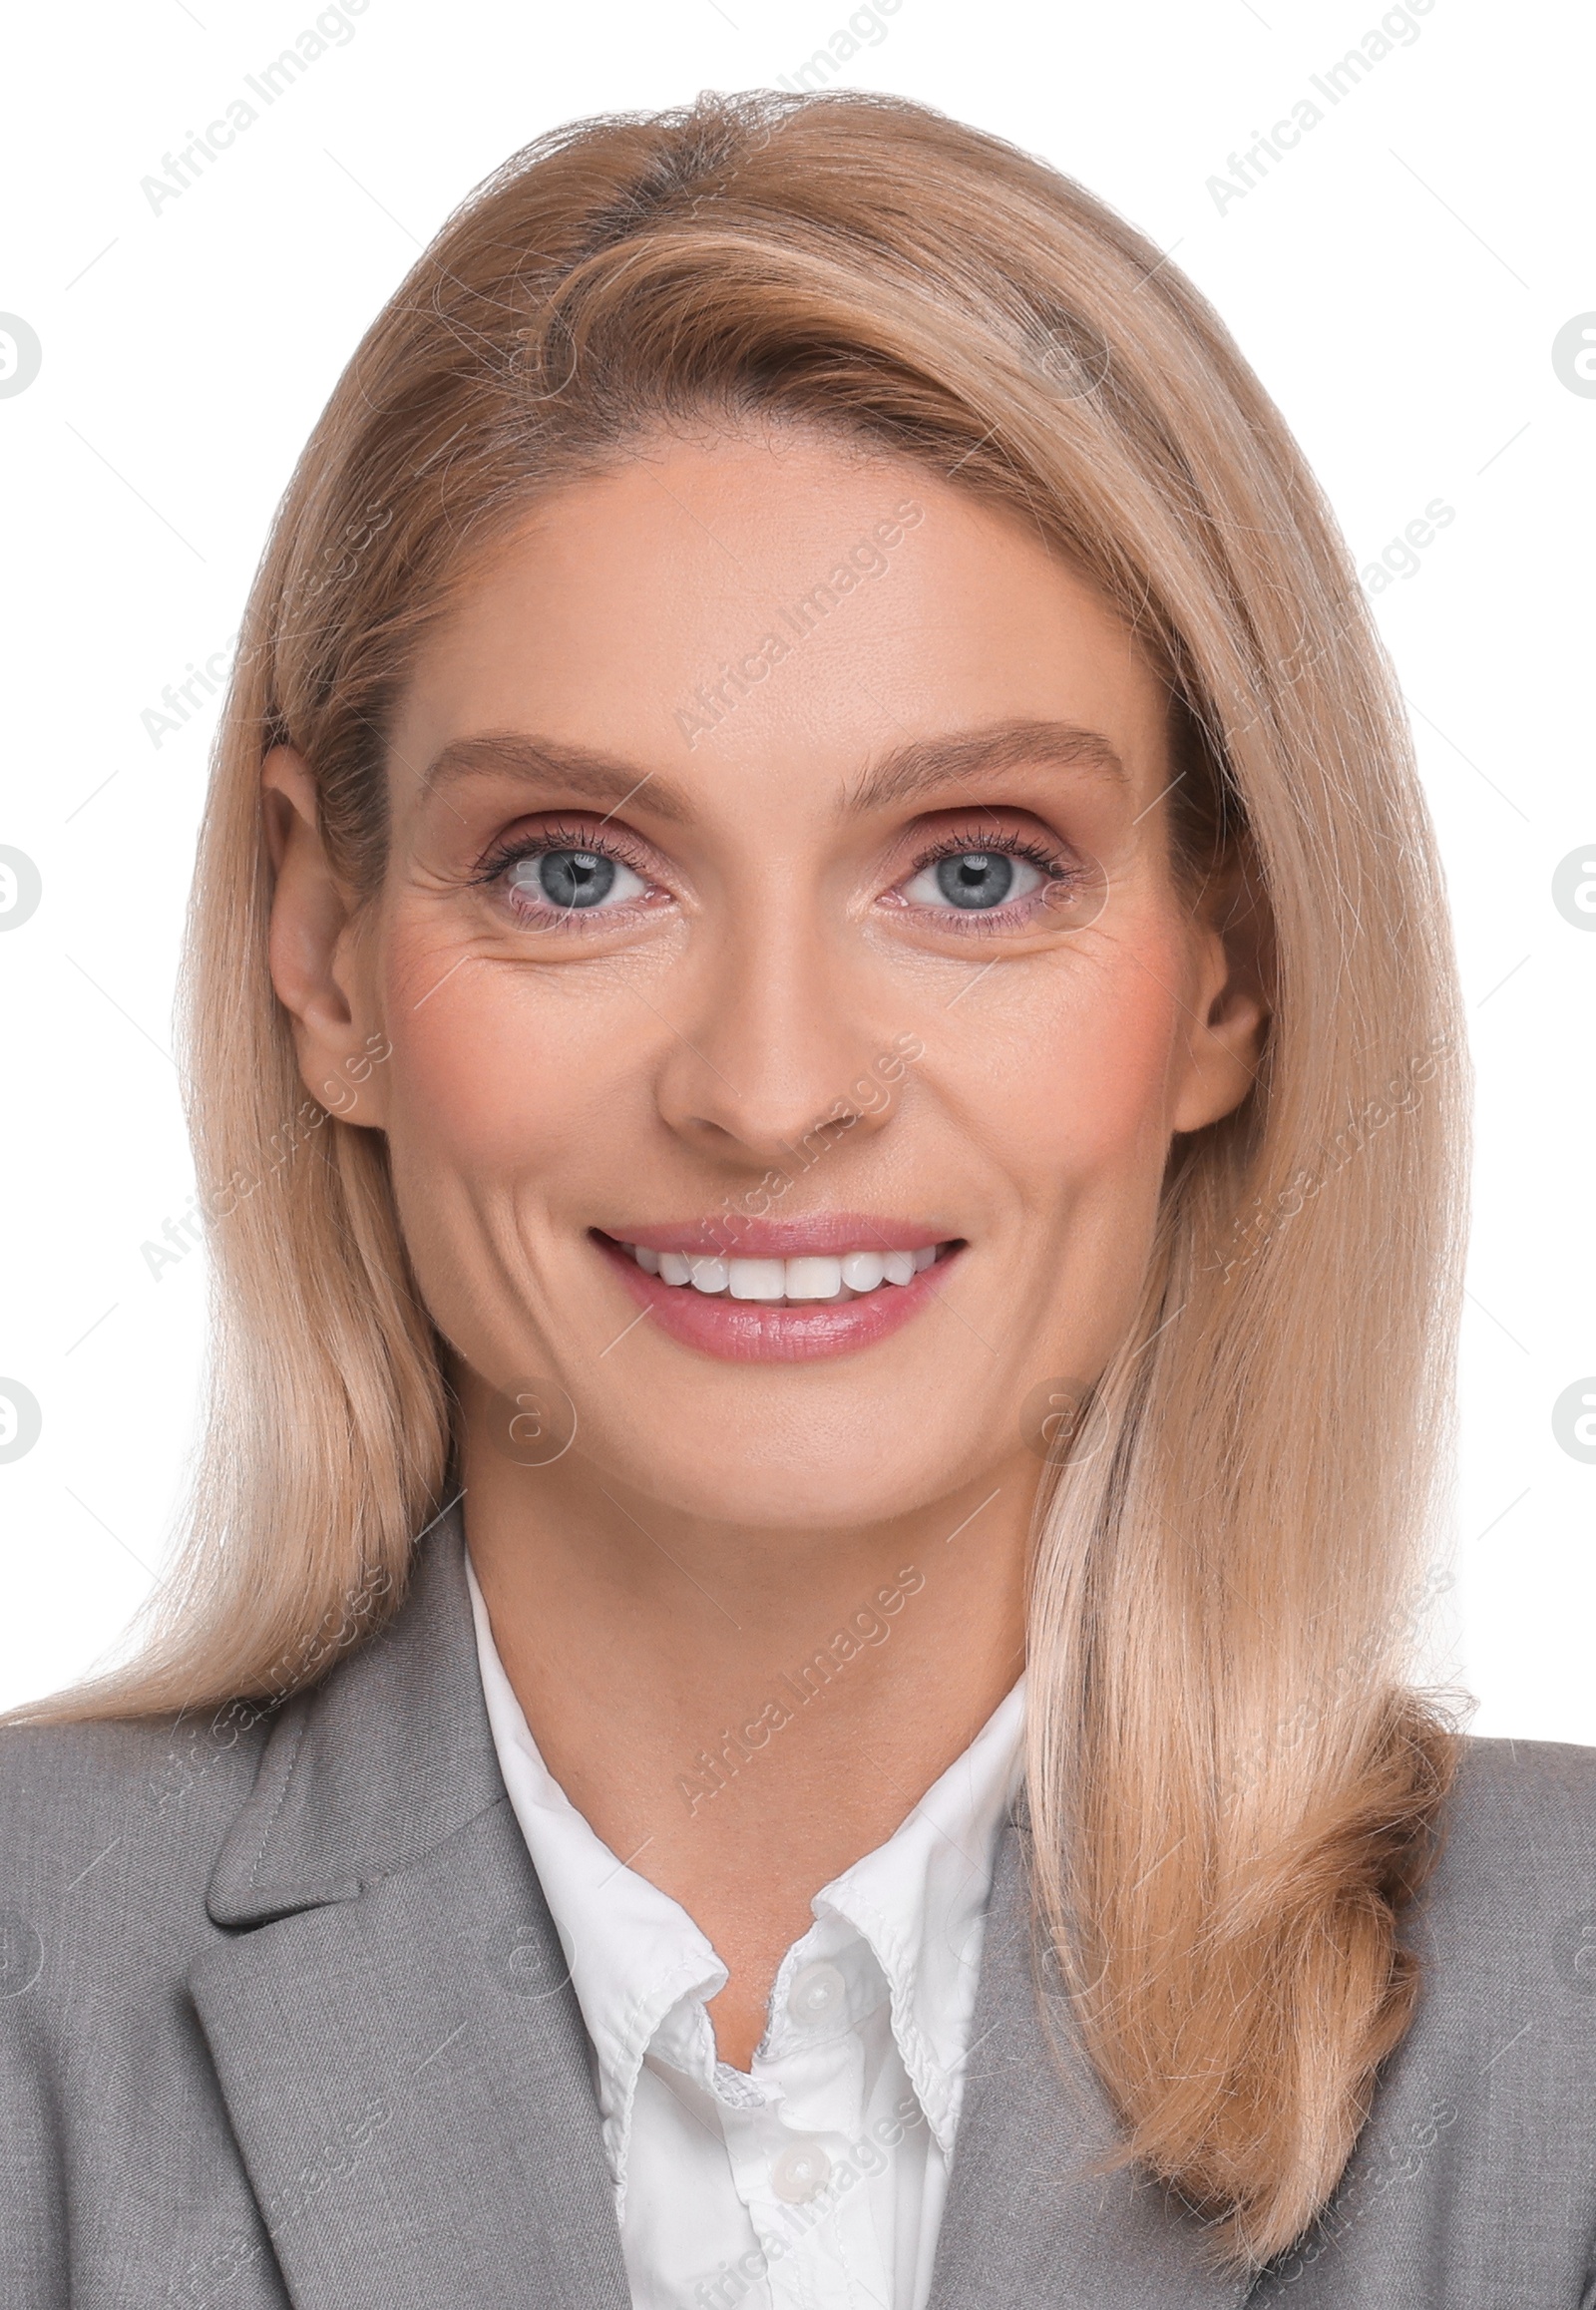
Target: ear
318 959
1233 973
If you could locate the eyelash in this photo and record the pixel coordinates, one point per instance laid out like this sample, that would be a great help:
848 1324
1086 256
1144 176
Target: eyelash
506 855
964 841
968 839
958 844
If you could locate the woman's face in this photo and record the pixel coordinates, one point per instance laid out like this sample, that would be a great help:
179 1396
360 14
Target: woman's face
779 896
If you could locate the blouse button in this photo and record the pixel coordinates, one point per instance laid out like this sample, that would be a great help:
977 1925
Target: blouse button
816 1993
800 2173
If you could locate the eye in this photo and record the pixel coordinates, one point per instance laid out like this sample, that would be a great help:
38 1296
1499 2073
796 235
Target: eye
568 880
975 881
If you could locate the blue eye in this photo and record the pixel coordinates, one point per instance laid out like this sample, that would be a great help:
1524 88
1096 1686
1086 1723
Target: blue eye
571 881
975 881
975 878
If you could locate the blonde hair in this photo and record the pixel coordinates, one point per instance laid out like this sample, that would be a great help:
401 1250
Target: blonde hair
1231 1792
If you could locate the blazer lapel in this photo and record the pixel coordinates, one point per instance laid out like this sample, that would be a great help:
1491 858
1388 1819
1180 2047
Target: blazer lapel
1033 2222
393 2025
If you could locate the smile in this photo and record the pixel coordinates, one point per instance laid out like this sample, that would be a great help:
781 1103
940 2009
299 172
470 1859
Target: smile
778 1283
792 1290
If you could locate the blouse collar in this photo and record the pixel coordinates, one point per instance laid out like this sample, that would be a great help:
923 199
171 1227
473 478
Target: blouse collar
643 1971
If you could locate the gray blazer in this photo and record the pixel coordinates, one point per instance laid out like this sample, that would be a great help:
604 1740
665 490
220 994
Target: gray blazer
283 2019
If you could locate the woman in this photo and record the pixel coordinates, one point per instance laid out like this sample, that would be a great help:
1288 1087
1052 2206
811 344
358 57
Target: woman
810 796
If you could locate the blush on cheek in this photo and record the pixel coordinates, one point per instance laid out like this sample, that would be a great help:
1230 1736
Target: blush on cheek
1085 1126
488 1079
1090 1088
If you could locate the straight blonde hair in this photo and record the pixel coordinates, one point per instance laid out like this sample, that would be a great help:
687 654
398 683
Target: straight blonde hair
1232 1791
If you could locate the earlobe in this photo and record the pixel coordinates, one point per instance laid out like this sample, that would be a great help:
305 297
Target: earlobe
314 967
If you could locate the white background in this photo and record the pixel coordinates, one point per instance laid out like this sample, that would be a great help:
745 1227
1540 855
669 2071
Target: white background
1397 282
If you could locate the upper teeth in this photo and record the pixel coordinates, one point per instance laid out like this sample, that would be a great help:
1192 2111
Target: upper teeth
799 1278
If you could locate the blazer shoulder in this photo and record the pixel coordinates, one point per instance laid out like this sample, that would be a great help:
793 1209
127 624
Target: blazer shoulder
106 1815
1515 1878
1526 1793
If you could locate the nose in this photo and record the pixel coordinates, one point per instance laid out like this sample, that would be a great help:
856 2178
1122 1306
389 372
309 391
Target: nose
772 1053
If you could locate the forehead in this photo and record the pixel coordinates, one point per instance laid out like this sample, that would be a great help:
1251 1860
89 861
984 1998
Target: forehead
770 607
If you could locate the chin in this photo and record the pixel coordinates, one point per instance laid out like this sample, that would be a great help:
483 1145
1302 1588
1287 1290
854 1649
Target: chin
797 1482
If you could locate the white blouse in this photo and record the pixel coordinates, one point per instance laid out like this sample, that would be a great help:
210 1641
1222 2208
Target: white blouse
815 2179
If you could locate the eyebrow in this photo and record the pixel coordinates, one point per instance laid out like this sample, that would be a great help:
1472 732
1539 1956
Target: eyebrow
925 765
556 767
907 773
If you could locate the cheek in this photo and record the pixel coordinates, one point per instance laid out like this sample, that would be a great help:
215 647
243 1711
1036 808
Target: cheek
495 1073
1081 1079
1079 1101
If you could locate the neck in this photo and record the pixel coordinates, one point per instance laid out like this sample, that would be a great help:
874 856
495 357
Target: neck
744 1712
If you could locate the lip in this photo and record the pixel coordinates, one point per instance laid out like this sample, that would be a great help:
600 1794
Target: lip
754 1330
